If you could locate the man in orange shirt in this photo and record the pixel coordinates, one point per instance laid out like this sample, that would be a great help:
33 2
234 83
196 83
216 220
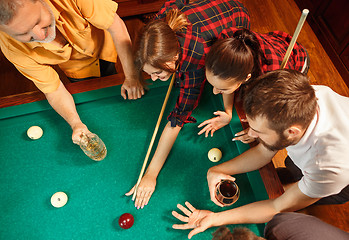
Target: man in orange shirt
82 37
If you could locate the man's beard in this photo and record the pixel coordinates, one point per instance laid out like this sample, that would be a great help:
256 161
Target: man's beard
51 29
52 33
280 144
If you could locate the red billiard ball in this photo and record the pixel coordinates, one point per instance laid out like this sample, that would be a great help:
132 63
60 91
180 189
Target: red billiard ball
126 221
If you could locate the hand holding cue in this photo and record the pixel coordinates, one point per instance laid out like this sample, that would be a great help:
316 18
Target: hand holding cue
294 38
154 135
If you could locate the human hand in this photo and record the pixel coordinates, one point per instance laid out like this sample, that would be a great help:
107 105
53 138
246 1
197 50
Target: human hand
145 189
215 123
133 87
78 129
213 178
243 136
198 220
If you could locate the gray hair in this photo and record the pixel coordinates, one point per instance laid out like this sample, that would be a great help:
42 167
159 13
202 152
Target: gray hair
8 9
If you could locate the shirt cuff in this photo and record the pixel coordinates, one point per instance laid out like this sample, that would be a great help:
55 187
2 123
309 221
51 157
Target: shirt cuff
179 120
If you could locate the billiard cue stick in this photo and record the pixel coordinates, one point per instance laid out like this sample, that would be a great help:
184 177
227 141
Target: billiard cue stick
154 135
294 38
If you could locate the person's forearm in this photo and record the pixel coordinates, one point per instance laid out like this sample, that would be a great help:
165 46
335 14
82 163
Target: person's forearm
257 212
167 139
250 160
123 45
63 103
292 199
228 100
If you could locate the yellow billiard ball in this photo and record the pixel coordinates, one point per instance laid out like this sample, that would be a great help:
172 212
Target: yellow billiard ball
34 132
214 155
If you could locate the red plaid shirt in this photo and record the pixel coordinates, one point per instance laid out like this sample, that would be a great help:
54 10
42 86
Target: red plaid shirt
274 46
207 20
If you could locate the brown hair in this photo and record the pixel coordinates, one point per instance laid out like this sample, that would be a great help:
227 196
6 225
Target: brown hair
8 10
157 43
236 57
240 233
284 97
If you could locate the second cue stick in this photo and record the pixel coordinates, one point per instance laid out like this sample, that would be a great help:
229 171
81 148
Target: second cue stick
154 135
294 38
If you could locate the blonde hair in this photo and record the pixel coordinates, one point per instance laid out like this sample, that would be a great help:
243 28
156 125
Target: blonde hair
158 43
176 20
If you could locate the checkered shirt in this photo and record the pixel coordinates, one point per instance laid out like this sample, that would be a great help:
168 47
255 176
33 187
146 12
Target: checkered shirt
274 46
207 20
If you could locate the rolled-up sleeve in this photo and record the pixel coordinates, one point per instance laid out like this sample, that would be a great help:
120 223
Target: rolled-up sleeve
45 78
191 86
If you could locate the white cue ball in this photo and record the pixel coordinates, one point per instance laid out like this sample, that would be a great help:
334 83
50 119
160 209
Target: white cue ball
35 132
59 199
214 155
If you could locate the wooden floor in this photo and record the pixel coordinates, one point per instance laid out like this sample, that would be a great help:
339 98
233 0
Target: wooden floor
269 15
266 15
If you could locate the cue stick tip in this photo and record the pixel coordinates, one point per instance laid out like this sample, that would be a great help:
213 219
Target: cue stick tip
305 11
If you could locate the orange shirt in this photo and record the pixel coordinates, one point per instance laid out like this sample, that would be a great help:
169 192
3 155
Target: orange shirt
83 23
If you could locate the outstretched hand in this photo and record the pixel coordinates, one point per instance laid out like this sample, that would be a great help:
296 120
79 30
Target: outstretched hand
215 123
198 220
145 189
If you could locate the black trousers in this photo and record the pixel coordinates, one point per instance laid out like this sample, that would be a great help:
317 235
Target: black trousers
106 68
296 174
299 226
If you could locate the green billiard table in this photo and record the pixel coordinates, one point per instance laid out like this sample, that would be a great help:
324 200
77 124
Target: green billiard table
33 170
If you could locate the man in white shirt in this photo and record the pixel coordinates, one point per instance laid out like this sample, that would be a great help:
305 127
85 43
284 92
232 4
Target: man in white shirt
311 122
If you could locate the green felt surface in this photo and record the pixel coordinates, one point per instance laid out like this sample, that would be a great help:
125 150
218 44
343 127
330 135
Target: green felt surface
33 170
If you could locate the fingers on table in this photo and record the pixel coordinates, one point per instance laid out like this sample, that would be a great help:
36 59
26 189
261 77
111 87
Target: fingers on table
184 210
181 226
131 191
195 231
207 129
190 207
137 92
123 93
132 92
143 197
204 123
212 131
187 211
140 92
180 217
